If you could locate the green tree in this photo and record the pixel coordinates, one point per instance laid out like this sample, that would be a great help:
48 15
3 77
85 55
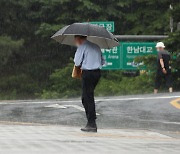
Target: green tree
8 48
29 54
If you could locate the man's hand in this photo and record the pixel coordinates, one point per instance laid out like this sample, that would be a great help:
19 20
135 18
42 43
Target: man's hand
164 71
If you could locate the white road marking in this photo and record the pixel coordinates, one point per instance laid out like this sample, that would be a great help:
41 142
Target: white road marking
77 101
56 106
82 109
164 122
66 106
137 98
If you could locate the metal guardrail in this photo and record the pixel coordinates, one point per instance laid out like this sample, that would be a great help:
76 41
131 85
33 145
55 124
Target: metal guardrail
141 37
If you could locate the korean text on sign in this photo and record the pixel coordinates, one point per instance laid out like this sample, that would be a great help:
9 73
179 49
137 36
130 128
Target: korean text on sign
139 49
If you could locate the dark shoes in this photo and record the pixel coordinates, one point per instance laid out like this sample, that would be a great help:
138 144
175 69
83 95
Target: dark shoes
90 127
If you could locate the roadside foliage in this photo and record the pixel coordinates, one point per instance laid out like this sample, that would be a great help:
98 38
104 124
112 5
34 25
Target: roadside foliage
34 66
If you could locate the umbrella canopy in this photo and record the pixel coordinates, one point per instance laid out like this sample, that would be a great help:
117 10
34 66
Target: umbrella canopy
94 33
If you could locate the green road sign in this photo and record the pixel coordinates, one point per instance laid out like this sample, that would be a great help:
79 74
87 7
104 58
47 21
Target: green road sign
109 25
122 57
112 57
134 49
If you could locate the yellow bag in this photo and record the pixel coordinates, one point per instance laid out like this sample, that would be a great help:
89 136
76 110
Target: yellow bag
77 72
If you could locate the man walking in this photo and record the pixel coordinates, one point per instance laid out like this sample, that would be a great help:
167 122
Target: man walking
163 68
89 57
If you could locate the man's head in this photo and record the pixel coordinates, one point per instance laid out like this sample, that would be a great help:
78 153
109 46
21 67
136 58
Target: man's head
79 39
160 46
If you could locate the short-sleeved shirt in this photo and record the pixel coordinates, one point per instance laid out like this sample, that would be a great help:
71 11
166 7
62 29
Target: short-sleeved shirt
89 56
165 55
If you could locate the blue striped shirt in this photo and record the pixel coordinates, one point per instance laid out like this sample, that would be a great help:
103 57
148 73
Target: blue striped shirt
89 56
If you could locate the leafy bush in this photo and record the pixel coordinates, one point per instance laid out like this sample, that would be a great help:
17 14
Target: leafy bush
17 86
62 84
128 85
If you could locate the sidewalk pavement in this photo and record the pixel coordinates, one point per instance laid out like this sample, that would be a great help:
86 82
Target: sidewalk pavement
20 138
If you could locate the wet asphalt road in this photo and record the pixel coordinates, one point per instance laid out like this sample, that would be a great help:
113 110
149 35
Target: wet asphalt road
151 112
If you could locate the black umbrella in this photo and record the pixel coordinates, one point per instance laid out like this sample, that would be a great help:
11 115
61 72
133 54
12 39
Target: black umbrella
96 34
